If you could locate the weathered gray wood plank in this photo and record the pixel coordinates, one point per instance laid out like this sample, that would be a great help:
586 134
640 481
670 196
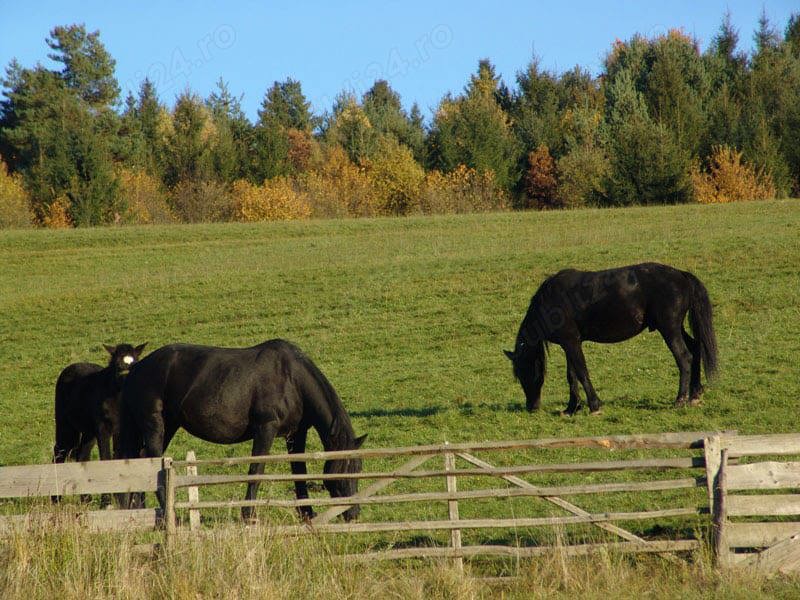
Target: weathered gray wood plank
525 552
759 535
93 477
759 445
764 505
676 440
763 475
783 557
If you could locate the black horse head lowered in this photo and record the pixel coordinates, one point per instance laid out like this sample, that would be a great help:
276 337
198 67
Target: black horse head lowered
229 395
611 306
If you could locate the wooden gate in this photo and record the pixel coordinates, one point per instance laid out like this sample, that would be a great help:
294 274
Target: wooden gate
755 520
465 476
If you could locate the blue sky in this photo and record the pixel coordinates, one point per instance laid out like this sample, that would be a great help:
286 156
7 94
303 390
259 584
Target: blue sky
424 49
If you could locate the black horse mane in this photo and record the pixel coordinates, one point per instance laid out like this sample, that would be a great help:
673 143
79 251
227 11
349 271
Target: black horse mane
340 435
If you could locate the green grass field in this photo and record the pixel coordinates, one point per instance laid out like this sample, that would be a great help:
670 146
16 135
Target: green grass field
408 319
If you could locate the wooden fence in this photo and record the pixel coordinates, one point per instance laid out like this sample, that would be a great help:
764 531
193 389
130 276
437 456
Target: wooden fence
690 464
724 475
751 511
95 477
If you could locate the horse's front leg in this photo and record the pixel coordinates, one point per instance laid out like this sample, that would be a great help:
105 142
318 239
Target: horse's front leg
574 404
296 444
262 442
577 361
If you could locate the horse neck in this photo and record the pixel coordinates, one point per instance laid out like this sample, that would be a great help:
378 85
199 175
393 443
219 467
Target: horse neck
112 380
325 411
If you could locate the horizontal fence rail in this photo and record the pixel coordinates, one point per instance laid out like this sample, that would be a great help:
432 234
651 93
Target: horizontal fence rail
677 440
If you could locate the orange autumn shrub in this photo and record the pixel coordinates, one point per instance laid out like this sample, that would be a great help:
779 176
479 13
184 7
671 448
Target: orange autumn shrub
15 206
541 184
339 188
144 197
56 215
276 199
462 190
729 179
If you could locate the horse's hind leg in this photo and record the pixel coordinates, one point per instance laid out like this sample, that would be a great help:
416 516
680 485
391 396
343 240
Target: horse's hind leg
696 385
683 358
296 444
66 445
574 404
576 359
104 450
262 442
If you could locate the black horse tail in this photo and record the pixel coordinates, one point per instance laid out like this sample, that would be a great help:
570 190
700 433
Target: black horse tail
701 321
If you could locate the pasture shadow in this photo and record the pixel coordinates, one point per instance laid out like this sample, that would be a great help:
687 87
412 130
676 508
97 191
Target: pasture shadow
648 404
398 412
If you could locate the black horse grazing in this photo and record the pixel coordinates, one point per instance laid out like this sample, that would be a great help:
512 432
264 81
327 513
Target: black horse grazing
611 306
87 405
229 395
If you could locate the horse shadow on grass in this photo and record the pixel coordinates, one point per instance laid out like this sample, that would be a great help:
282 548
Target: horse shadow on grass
646 404
427 411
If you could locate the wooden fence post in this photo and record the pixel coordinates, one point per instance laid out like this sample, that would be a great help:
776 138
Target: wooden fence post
194 493
712 451
720 514
452 505
169 501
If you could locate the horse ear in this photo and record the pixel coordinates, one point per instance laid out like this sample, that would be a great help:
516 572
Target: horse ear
509 354
140 348
359 441
110 349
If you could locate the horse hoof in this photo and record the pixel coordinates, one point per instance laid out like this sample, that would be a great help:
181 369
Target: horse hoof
596 412
695 401
567 413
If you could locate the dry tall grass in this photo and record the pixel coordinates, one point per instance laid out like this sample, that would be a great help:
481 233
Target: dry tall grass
52 557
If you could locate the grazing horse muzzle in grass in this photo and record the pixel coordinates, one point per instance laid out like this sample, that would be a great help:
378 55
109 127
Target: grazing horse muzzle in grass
229 395
610 306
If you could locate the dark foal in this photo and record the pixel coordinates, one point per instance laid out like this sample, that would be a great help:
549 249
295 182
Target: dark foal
87 405
573 307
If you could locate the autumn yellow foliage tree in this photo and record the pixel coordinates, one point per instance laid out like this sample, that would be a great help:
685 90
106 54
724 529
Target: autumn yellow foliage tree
461 190
277 199
144 197
729 179
15 209
339 188
56 215
396 178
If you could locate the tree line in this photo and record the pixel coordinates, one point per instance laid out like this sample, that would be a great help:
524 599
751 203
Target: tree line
664 122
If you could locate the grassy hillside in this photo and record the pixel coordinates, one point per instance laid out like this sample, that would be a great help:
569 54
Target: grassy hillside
408 317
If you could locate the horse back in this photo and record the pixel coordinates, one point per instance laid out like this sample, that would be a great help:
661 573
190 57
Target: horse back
77 389
610 305
217 394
